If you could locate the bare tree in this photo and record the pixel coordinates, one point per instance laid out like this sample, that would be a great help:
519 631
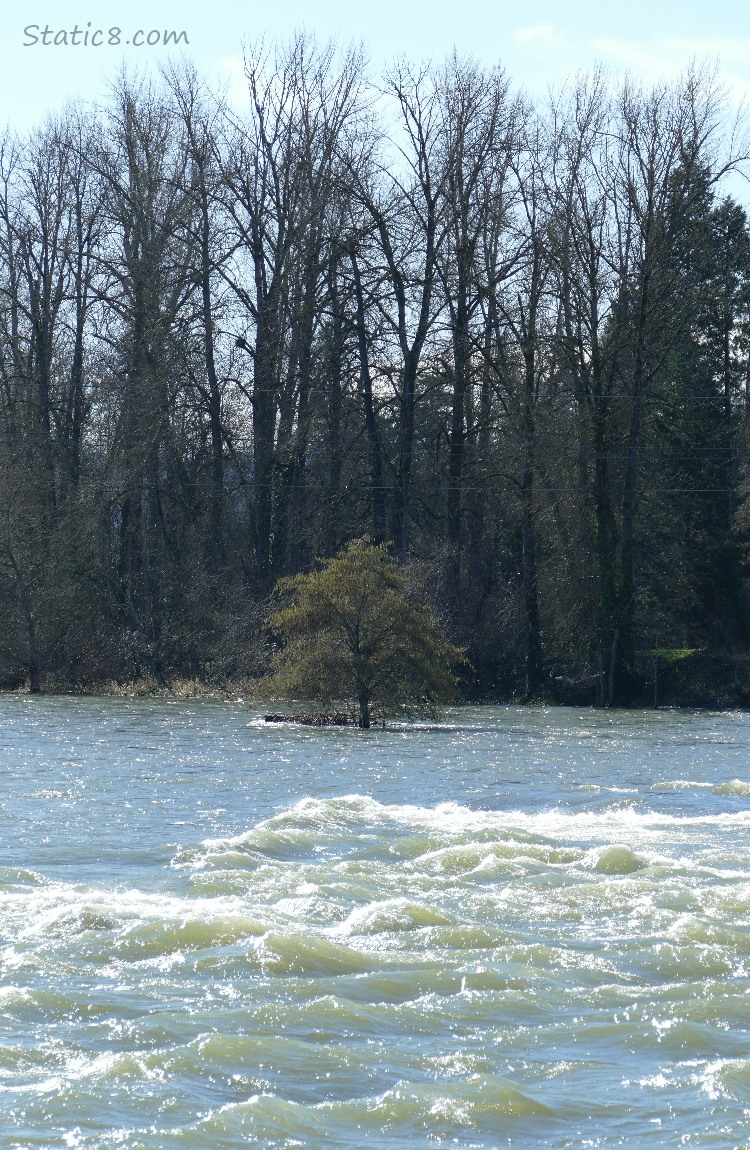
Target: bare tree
479 130
279 176
146 270
403 196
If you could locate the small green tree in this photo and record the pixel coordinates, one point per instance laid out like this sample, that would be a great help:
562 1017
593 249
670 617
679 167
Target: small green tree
353 631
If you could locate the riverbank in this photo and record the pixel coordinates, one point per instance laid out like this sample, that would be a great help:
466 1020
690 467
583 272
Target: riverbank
709 680
148 688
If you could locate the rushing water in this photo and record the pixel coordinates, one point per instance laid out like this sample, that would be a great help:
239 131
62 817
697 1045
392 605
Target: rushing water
522 928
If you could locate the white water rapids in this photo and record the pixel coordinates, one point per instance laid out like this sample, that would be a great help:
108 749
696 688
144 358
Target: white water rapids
524 928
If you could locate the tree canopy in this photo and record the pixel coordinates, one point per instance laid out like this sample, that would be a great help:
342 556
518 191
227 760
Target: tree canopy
511 337
354 634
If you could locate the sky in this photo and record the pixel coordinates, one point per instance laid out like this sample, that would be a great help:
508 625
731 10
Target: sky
539 42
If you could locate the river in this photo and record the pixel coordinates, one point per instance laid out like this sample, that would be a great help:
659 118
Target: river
519 928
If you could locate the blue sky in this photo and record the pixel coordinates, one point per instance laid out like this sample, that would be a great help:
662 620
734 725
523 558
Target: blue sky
539 42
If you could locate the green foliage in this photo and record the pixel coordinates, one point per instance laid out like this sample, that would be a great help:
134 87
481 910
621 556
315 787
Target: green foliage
353 633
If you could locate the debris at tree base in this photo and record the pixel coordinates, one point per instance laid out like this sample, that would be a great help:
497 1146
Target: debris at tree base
315 720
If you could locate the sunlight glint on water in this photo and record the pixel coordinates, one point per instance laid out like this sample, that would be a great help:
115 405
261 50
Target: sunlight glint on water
524 928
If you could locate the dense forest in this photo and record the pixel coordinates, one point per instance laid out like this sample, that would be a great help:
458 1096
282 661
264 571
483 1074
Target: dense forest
510 339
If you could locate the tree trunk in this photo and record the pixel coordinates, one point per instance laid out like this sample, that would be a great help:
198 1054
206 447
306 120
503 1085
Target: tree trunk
407 409
216 502
28 622
335 374
264 426
364 710
533 642
371 425
457 440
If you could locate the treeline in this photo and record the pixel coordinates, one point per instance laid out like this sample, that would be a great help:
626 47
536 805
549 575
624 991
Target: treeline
510 340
